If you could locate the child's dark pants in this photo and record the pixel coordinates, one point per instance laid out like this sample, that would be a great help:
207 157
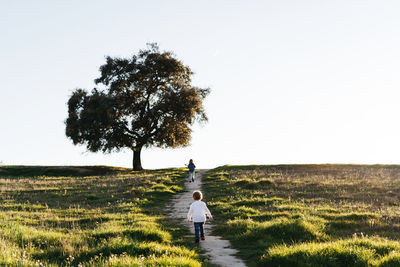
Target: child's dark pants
198 230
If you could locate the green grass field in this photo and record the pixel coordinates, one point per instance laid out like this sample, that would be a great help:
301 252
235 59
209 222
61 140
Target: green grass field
286 215
91 216
308 215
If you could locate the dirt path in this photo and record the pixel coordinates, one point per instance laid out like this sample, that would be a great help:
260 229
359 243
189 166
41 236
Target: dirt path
217 249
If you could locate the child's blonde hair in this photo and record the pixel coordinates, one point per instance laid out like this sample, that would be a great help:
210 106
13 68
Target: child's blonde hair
197 195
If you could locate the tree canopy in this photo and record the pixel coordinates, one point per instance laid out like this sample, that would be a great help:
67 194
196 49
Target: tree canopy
146 100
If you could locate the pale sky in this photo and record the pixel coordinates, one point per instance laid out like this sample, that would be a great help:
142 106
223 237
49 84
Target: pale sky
292 81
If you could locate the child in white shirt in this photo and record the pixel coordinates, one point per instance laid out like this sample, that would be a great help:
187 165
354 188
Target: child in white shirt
198 212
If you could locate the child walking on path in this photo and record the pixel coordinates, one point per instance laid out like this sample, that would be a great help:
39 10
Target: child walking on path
197 213
191 168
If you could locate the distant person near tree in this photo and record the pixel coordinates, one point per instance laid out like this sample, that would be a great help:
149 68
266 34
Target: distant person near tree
192 172
198 213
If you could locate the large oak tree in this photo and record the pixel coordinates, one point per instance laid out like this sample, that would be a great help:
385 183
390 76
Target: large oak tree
146 100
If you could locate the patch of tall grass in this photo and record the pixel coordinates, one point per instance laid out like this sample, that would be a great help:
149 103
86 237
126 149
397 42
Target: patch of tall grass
54 216
349 252
308 215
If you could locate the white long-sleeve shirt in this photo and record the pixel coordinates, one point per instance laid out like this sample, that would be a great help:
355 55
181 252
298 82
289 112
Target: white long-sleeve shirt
198 211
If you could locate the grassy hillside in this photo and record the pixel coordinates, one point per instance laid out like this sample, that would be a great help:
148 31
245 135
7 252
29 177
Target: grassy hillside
90 216
308 215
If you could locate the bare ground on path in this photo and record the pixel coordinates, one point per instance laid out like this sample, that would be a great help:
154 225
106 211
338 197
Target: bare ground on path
217 249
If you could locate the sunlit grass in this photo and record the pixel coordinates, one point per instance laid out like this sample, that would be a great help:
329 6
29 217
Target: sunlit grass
90 216
308 215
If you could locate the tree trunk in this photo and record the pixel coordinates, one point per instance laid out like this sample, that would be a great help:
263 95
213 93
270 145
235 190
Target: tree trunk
137 164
